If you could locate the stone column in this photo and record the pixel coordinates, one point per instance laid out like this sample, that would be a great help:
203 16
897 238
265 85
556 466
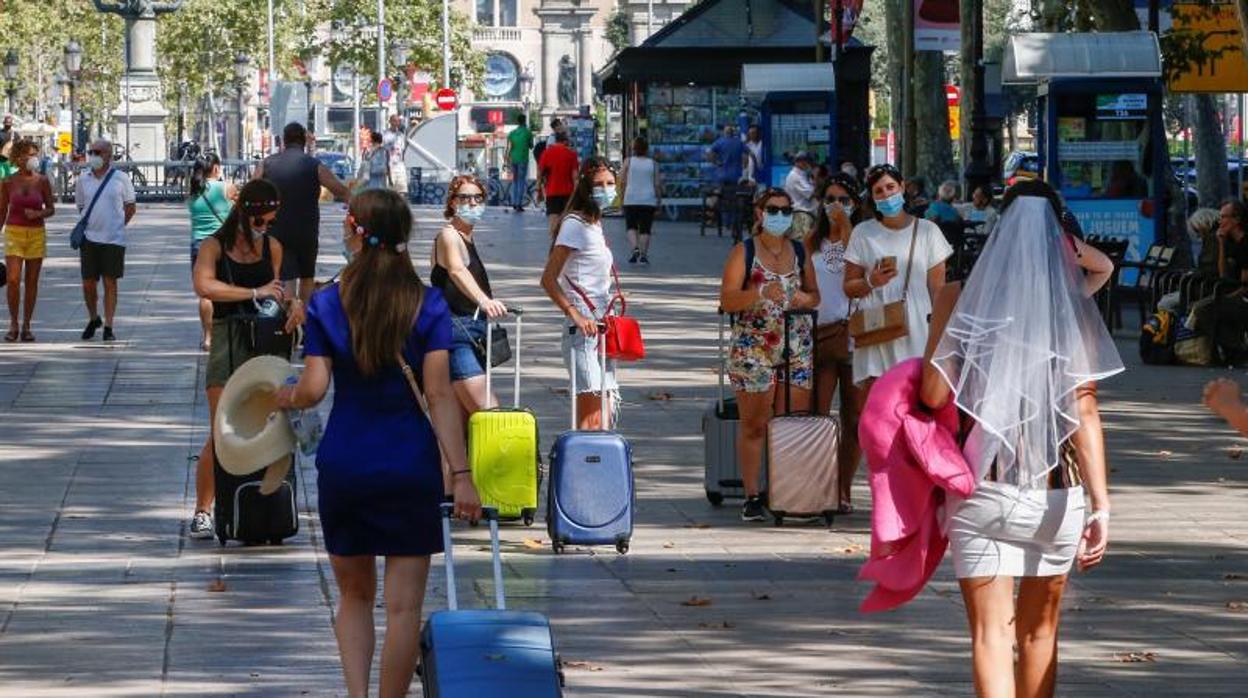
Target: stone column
585 83
550 70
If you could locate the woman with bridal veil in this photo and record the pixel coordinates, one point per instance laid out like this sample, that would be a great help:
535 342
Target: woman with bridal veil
1019 348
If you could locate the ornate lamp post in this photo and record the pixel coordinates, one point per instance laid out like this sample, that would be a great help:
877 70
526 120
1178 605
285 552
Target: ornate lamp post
73 68
10 75
242 71
401 50
526 87
313 66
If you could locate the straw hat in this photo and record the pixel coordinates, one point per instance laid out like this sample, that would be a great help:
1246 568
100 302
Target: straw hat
250 432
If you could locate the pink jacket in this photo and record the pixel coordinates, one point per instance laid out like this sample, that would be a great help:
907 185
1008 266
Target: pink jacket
914 458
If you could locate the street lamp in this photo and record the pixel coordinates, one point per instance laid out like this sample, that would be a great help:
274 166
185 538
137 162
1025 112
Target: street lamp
400 49
73 68
312 66
242 70
10 74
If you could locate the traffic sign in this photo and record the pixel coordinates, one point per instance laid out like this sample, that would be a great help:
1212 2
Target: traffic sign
64 143
446 99
385 90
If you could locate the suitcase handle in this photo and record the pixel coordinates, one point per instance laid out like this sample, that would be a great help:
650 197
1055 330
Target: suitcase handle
491 515
517 312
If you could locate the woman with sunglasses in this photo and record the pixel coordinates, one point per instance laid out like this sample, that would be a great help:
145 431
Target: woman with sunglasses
237 268
881 252
840 210
578 279
459 273
777 281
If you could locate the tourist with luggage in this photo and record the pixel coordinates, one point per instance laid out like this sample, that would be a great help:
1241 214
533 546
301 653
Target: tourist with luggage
841 210
1019 350
26 201
894 267
385 339
238 270
578 277
208 201
765 276
643 192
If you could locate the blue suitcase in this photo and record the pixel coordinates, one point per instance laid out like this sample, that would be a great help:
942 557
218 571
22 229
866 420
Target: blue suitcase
590 491
486 652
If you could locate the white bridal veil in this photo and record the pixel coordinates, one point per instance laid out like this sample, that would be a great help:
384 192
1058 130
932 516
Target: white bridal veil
1023 336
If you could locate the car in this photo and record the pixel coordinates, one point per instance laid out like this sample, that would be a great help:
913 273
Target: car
1020 165
340 164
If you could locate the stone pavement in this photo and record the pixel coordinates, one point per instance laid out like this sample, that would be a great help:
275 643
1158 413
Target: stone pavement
102 594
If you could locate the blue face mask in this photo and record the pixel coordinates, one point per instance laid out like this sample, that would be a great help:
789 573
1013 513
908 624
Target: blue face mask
604 196
470 214
777 224
891 205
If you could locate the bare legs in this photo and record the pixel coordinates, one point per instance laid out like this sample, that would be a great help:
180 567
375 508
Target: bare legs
589 411
91 295
470 392
19 270
205 324
997 624
833 373
405 579
205 485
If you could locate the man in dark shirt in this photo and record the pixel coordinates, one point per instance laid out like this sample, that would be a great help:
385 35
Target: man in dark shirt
730 157
299 178
1233 241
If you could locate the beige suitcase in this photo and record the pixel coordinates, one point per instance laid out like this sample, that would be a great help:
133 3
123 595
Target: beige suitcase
802 454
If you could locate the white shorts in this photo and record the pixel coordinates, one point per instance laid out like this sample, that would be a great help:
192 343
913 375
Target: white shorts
1004 531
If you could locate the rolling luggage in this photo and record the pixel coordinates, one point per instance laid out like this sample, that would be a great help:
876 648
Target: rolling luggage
503 448
589 497
802 451
720 424
240 512
486 652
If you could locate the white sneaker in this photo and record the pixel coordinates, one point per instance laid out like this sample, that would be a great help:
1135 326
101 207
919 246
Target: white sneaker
201 525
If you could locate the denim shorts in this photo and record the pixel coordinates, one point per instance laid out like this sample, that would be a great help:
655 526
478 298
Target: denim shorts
582 356
464 362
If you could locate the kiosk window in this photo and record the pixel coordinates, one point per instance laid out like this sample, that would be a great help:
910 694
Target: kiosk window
1102 145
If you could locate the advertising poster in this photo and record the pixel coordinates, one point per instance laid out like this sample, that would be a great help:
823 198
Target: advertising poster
936 25
1116 218
1215 26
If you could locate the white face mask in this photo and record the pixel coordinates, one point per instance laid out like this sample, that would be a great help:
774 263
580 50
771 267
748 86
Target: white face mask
95 162
32 163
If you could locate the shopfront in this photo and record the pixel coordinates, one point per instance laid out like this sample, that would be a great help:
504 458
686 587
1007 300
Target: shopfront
798 114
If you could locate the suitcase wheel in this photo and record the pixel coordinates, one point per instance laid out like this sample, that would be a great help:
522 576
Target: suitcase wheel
829 517
557 546
527 517
621 546
779 520
715 498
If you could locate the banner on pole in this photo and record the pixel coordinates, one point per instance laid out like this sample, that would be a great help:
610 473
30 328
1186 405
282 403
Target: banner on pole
937 25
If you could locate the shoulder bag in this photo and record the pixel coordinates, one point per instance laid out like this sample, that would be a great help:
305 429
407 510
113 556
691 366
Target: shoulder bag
623 333
872 326
78 235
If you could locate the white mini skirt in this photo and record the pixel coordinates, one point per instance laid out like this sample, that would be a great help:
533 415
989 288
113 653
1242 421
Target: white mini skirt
1004 531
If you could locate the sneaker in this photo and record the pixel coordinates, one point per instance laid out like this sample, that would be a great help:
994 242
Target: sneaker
95 324
108 334
752 510
635 257
644 259
201 525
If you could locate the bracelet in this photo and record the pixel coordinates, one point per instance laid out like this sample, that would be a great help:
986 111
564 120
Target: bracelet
1101 515
253 295
867 279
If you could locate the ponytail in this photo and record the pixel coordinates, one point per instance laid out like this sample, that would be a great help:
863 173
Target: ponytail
199 174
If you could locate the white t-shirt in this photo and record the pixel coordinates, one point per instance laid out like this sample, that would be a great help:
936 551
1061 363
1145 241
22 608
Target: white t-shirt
589 265
829 264
640 189
870 242
754 162
107 225
799 186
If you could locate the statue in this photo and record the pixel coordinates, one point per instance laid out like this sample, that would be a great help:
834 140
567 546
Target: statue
133 9
567 82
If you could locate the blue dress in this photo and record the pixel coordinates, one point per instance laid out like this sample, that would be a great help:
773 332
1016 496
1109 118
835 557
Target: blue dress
378 469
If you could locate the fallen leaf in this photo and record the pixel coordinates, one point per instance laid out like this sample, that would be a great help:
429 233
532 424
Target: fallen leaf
661 396
696 601
533 544
697 525
1135 657
1234 576
760 597
672 569
579 664
1164 454
216 585
255 674
724 625
669 544
559 391
1240 606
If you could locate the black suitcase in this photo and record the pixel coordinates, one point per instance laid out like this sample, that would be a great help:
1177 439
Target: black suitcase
241 513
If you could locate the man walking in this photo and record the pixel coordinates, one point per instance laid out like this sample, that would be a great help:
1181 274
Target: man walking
394 140
519 142
730 155
556 178
799 184
299 178
103 253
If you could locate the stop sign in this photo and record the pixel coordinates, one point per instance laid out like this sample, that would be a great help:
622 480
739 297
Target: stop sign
446 99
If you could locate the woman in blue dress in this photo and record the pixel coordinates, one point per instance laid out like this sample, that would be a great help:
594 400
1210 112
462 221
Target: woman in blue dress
379 476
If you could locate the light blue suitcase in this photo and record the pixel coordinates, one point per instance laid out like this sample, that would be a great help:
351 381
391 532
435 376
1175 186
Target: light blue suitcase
486 652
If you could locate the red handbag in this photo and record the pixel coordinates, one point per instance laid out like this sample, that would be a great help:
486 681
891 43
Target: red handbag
623 333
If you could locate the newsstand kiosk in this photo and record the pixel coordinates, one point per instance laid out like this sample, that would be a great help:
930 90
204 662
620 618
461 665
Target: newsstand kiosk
798 113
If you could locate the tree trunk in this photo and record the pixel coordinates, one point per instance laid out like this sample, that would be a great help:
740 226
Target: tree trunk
894 29
967 76
1210 150
934 148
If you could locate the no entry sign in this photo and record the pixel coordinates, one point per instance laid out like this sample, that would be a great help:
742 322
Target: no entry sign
446 99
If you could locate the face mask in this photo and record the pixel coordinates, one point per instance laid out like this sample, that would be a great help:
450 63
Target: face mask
777 224
470 214
890 206
95 162
32 163
604 196
847 209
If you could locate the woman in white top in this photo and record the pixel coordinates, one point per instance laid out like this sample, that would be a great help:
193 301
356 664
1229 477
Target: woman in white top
643 192
876 263
834 356
578 279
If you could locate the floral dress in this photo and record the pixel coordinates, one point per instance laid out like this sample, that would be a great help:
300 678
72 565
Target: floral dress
757 348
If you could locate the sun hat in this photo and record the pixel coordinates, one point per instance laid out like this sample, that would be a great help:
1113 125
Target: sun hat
250 433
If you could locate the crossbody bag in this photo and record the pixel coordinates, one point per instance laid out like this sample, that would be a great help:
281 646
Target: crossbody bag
623 333
78 236
888 322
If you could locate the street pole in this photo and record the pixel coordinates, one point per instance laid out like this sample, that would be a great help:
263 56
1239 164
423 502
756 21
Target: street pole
242 141
909 141
980 171
446 43
650 18
355 115
272 75
381 58
73 118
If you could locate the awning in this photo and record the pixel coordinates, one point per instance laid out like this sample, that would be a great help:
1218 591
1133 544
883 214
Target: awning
1035 58
787 77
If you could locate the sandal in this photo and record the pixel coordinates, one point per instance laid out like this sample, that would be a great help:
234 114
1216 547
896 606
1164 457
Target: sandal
11 336
27 335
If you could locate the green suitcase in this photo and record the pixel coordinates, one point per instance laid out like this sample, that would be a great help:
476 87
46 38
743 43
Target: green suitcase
503 449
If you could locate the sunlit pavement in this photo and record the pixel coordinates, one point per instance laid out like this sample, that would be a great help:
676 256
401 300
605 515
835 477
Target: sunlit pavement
102 594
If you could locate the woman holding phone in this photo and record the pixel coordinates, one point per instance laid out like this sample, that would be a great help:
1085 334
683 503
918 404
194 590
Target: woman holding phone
891 257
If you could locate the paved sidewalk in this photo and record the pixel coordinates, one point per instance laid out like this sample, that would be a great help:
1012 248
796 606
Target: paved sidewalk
102 594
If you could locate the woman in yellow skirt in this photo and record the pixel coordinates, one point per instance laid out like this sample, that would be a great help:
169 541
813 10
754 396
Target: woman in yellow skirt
25 203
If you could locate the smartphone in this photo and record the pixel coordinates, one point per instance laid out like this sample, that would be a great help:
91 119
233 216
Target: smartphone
888 264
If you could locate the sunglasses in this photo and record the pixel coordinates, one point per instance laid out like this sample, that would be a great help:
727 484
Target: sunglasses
842 200
470 198
773 210
101 153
